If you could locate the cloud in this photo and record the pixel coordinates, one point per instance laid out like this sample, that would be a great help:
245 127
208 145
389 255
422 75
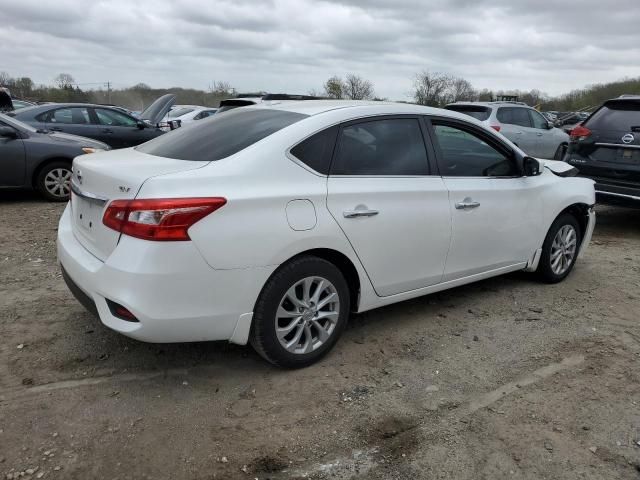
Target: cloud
294 45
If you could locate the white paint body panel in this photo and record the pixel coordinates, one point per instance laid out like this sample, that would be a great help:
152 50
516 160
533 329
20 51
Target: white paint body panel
206 288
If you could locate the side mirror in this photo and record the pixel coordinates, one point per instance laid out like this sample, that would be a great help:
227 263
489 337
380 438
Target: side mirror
550 125
8 132
531 167
141 125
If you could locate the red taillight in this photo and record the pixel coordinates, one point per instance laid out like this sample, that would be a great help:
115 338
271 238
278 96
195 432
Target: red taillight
579 133
496 127
161 219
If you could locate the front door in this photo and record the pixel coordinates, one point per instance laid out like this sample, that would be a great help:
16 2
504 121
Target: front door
495 211
393 210
119 130
546 141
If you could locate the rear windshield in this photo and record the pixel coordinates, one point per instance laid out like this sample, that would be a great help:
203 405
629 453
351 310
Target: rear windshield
220 136
476 111
616 116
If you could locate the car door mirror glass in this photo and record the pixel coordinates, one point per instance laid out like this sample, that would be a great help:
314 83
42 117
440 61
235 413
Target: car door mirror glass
531 167
550 125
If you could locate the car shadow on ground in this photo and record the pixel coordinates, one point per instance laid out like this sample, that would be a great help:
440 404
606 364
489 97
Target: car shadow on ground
11 195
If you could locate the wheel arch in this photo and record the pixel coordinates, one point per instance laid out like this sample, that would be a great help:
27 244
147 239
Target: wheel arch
342 262
581 212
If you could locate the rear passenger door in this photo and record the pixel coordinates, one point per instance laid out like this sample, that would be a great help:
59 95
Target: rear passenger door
516 125
546 141
73 120
393 208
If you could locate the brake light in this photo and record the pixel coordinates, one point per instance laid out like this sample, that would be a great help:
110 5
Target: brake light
579 133
496 127
160 219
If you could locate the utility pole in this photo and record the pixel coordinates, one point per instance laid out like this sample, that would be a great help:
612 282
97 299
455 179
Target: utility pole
108 85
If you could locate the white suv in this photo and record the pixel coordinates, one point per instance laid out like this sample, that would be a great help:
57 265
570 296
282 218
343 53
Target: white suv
523 125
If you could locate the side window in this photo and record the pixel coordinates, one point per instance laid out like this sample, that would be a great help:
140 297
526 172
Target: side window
76 116
316 151
112 118
465 154
538 120
514 116
381 147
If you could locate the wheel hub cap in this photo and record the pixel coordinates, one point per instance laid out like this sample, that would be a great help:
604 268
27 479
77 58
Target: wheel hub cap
563 249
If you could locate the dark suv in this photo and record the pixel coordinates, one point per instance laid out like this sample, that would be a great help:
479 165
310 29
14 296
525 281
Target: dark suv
606 148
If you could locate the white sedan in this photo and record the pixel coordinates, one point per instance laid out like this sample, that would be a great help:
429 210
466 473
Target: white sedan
270 224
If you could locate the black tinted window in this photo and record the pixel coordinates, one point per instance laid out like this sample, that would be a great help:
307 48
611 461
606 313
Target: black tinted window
381 147
465 154
475 111
616 116
221 135
514 116
316 151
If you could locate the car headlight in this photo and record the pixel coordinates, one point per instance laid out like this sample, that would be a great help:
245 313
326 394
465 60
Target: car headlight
92 149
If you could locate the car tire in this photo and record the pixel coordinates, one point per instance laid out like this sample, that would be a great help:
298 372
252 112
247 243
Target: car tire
560 249
287 322
560 151
53 181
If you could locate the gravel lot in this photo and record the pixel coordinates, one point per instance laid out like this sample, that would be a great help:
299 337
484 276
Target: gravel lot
506 378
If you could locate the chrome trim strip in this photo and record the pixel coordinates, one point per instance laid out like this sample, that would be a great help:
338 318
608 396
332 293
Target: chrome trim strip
632 197
617 145
88 196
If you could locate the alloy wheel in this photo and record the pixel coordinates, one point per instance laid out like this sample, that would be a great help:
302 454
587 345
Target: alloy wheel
307 315
563 249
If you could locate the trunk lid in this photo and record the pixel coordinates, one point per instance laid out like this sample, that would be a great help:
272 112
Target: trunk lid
101 177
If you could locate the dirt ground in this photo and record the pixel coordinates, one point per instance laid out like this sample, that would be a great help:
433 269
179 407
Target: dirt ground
506 378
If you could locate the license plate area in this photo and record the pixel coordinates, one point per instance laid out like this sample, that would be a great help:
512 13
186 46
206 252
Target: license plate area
87 215
628 156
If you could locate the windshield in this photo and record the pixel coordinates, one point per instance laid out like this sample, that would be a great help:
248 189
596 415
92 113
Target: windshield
476 111
12 122
220 136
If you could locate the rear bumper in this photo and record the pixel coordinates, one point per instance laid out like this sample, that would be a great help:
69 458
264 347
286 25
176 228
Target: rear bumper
172 291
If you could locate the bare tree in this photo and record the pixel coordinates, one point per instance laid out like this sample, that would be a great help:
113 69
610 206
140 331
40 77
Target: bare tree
141 86
333 88
461 91
64 80
357 88
220 88
5 79
431 88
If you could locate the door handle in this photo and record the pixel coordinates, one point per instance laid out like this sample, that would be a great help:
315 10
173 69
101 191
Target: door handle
359 213
107 130
467 204
539 134
518 133
55 129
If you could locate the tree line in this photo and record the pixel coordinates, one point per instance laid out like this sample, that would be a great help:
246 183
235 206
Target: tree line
429 88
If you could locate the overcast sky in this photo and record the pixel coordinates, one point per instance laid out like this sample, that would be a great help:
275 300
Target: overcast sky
294 45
